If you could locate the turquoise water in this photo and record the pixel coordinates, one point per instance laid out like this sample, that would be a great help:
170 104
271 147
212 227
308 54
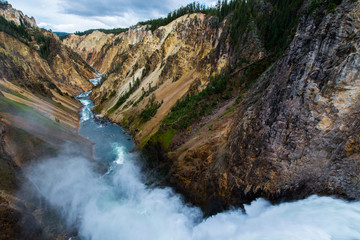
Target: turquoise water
118 205
109 139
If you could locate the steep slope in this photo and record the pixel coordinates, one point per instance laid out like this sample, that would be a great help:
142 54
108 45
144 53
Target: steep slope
38 116
145 68
38 71
89 47
28 52
302 128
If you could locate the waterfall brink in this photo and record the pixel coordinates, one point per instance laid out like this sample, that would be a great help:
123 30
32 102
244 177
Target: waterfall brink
118 205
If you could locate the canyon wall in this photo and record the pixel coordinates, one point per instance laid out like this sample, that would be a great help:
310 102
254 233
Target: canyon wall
38 117
287 133
143 67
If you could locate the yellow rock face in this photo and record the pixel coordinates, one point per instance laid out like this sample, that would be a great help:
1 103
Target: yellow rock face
168 62
64 72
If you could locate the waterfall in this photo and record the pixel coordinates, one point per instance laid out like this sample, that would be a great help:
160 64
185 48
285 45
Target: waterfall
118 205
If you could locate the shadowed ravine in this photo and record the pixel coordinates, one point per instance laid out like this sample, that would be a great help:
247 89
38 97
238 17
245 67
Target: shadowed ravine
118 205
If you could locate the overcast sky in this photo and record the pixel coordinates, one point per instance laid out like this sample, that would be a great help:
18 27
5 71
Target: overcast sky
80 15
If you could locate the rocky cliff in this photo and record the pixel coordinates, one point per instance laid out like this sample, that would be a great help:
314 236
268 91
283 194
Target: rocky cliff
296 132
16 16
285 127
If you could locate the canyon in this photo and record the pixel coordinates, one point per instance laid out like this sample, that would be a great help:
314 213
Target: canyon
292 133
224 120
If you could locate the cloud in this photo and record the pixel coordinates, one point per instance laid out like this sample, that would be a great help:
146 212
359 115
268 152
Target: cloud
63 27
146 8
80 15
115 7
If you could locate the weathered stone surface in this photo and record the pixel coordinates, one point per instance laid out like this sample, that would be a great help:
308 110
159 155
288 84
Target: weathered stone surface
297 137
22 63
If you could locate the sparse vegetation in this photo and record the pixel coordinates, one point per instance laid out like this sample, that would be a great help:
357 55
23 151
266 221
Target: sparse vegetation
319 6
190 8
112 94
28 113
145 93
118 66
196 105
4 89
146 70
107 31
253 71
12 29
48 45
193 107
125 96
150 109
77 58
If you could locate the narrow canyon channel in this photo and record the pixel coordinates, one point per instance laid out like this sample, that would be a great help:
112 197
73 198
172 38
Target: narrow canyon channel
117 204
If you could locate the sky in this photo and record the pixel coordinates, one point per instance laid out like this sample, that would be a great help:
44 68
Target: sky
79 15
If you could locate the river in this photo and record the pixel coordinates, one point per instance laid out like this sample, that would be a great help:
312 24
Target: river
118 204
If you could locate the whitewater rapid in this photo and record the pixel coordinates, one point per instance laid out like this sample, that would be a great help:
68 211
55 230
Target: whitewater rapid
118 204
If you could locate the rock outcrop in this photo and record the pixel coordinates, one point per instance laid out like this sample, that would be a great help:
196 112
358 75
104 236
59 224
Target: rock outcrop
89 47
299 133
24 66
16 16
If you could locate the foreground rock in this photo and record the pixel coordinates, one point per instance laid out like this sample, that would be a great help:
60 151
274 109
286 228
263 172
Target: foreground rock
38 119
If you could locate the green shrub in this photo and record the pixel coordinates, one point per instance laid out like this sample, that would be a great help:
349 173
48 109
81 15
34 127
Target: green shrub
3 3
12 29
146 70
193 107
150 109
319 6
118 66
107 31
275 27
124 97
48 45
112 94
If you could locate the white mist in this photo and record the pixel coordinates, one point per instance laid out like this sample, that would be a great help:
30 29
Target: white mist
120 206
